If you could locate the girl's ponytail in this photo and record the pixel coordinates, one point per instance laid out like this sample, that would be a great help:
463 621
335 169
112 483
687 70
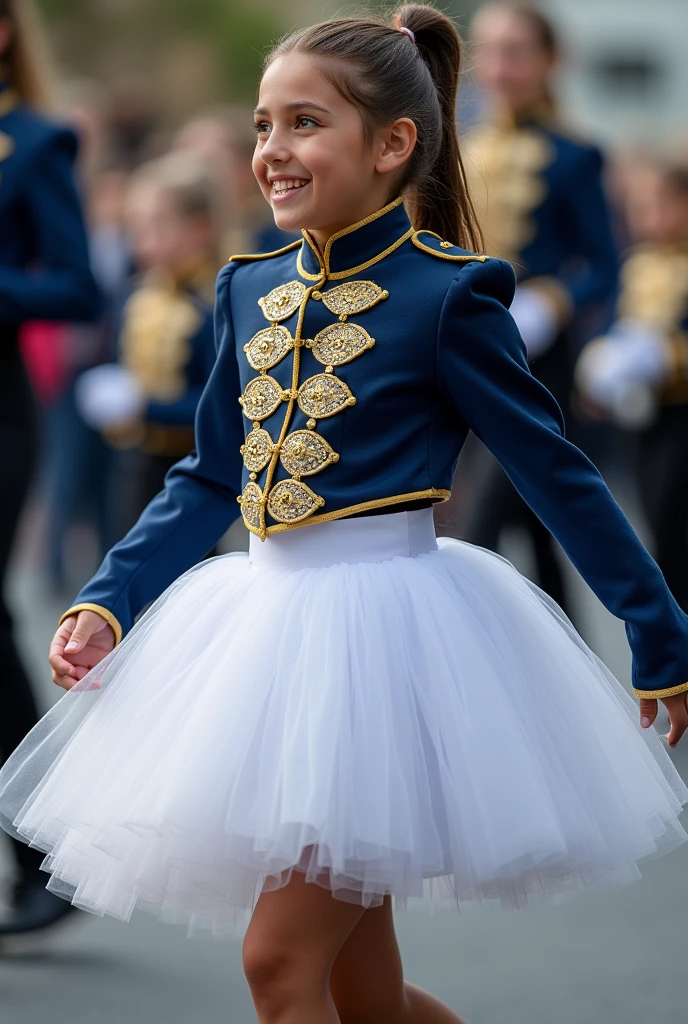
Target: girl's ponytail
440 201
389 74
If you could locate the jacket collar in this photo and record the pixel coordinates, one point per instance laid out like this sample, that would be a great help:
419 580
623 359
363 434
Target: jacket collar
357 247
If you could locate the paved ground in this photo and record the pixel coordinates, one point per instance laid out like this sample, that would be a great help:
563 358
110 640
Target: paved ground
614 959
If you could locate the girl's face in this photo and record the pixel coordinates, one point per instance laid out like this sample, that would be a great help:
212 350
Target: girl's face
509 62
656 211
312 161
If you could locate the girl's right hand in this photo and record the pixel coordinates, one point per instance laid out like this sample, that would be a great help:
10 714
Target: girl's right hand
78 645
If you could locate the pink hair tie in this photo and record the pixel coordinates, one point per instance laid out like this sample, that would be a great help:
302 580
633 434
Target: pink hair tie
408 32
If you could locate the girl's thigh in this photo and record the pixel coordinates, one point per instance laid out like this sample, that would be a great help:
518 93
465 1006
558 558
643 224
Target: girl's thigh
367 981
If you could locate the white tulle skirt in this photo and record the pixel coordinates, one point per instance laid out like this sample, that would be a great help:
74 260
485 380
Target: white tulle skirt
355 701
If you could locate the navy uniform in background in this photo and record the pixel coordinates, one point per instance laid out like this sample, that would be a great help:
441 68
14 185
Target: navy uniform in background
165 342
539 196
639 372
44 275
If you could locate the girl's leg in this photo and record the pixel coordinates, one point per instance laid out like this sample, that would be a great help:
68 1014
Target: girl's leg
290 946
367 981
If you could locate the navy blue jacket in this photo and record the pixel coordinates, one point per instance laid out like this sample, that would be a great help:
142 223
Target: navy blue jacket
540 197
361 372
165 336
44 264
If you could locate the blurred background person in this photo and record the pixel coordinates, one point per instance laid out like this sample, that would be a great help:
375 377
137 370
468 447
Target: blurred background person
225 138
44 275
145 403
539 196
637 374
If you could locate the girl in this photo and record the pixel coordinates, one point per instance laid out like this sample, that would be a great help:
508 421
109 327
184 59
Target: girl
44 275
351 709
539 195
146 404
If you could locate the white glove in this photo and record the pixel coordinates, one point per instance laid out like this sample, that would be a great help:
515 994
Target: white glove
622 370
536 319
107 396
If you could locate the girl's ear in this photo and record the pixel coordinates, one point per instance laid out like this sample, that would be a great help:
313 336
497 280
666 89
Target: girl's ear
395 145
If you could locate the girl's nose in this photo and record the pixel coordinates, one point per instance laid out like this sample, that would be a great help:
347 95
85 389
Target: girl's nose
275 149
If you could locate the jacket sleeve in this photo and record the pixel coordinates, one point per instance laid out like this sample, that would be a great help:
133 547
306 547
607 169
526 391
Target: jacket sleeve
60 286
593 278
197 505
482 370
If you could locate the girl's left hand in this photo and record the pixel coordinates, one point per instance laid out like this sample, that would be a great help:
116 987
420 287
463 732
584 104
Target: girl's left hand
677 709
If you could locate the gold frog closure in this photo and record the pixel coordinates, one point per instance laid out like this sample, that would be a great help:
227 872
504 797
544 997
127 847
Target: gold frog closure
282 301
251 501
261 397
290 501
323 395
257 450
268 347
352 297
340 343
304 453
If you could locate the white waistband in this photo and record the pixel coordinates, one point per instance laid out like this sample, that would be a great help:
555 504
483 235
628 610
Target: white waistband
365 539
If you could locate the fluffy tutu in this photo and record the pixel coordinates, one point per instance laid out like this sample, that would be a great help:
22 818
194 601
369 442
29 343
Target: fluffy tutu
354 701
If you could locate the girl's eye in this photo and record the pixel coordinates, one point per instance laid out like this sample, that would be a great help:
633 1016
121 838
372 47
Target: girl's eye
307 122
261 127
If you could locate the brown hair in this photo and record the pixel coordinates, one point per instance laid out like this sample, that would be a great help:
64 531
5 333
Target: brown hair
542 28
379 69
27 59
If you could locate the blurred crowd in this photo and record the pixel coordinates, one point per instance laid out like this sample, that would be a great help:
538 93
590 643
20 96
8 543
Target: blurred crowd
599 243
164 209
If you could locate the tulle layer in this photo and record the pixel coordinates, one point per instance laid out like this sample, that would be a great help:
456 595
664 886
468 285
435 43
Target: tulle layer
428 723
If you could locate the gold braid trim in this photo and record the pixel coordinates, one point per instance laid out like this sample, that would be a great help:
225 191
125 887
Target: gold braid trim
104 613
457 257
365 506
266 255
654 694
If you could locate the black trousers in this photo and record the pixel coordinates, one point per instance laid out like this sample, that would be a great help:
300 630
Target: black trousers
494 503
662 466
18 451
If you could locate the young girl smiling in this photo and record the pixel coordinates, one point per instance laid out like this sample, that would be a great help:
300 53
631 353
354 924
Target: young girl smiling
353 712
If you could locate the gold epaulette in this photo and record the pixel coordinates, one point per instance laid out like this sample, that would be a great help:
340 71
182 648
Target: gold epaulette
266 255
436 246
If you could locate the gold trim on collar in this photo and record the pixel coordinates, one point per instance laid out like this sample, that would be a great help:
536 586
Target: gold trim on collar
365 506
443 255
324 259
265 255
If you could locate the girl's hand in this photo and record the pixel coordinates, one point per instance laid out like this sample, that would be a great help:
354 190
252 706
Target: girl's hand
678 715
79 643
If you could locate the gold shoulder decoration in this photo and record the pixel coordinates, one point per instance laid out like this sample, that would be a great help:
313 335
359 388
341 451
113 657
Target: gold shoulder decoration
436 246
265 255
155 346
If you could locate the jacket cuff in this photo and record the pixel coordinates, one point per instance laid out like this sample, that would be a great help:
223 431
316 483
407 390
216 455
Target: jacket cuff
107 615
654 694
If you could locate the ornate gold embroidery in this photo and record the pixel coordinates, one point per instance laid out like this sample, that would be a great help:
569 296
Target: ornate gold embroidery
257 450
305 453
290 501
261 397
158 324
282 301
340 343
354 297
251 502
324 395
268 347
